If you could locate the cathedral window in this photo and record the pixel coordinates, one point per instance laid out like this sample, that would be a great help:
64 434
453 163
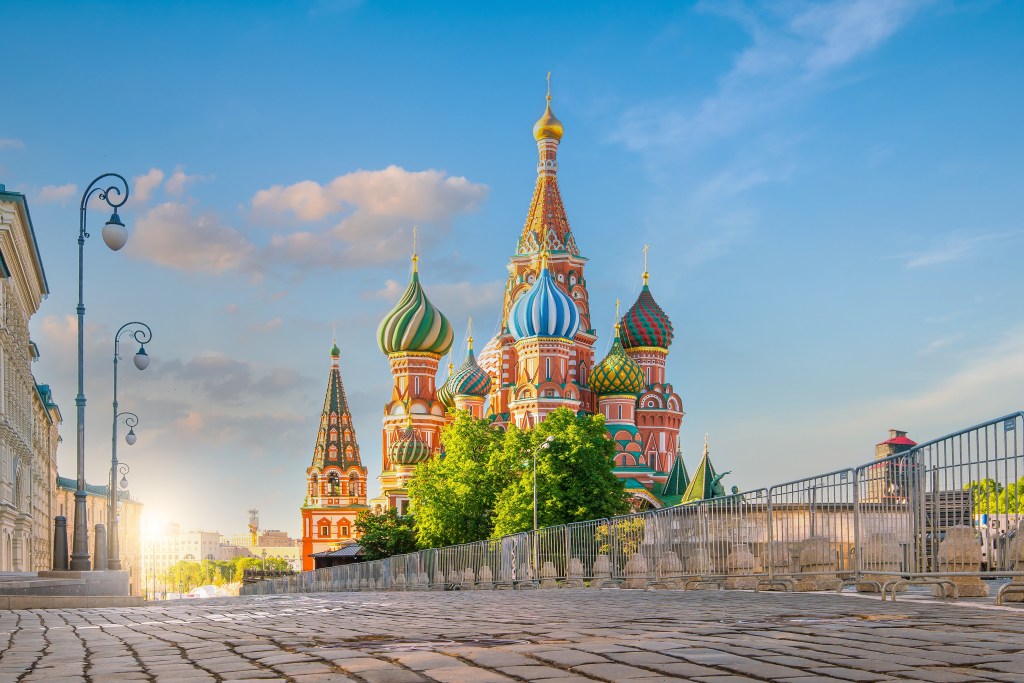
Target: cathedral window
325 530
343 530
572 279
353 484
620 412
334 418
333 485
334 435
417 380
561 278
547 368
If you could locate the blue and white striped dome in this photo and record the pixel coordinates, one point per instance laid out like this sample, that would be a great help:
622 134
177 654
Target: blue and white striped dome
544 310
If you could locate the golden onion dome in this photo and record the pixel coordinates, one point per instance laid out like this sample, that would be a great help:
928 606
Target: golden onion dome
548 126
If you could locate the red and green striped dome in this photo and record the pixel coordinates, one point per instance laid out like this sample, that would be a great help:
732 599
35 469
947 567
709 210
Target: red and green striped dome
617 373
470 379
414 325
408 448
645 324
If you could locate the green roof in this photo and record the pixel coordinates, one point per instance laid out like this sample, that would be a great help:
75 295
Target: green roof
678 479
705 483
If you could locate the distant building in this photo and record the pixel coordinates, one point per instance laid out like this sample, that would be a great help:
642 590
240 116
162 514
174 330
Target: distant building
129 525
270 544
888 480
336 479
28 415
169 546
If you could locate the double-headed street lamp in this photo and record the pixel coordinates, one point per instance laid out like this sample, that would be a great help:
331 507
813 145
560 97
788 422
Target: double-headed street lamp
131 420
114 235
141 333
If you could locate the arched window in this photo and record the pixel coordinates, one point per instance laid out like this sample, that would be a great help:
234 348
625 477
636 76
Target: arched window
314 485
333 485
547 368
353 484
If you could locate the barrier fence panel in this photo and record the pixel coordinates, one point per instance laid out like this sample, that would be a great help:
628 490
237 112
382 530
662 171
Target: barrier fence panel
970 488
885 503
736 537
682 551
632 548
587 561
550 560
812 526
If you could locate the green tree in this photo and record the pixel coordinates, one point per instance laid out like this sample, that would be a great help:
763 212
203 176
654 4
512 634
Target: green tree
574 476
985 496
453 497
385 534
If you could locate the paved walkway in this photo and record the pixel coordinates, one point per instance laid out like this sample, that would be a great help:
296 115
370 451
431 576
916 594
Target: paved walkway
550 636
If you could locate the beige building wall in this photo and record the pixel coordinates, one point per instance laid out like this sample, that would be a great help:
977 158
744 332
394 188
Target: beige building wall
129 525
28 420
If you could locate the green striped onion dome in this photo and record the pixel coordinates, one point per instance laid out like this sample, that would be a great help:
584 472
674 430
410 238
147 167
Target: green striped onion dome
444 394
408 448
617 373
470 379
645 324
414 325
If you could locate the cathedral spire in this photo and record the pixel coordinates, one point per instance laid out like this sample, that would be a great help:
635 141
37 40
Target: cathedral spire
336 441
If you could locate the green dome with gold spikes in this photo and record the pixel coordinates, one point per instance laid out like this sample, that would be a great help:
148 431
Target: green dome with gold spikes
617 373
444 394
408 448
414 325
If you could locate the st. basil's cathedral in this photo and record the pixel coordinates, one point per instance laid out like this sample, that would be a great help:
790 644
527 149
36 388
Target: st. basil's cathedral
542 359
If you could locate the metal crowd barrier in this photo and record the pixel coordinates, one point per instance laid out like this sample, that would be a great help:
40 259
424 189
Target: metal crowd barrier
947 514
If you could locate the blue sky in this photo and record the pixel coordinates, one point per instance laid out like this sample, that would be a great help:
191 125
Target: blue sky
831 192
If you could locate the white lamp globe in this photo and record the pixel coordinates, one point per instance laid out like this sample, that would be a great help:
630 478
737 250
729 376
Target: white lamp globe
130 437
115 235
124 482
141 359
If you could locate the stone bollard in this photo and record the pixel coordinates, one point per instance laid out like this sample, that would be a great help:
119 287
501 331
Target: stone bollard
60 544
574 573
960 551
454 577
698 563
468 579
880 561
670 572
636 572
486 578
602 572
548 575
1015 562
99 558
739 565
818 566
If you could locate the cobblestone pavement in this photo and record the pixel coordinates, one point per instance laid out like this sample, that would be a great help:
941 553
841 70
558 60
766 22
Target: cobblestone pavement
550 636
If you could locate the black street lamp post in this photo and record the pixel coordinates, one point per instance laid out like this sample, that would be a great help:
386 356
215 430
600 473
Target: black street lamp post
114 235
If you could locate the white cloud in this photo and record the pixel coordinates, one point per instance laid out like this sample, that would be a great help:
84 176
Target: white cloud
179 180
794 47
430 196
57 193
956 246
11 143
145 184
170 235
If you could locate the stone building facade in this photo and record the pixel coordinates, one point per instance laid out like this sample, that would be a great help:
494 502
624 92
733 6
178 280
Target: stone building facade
129 524
28 415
